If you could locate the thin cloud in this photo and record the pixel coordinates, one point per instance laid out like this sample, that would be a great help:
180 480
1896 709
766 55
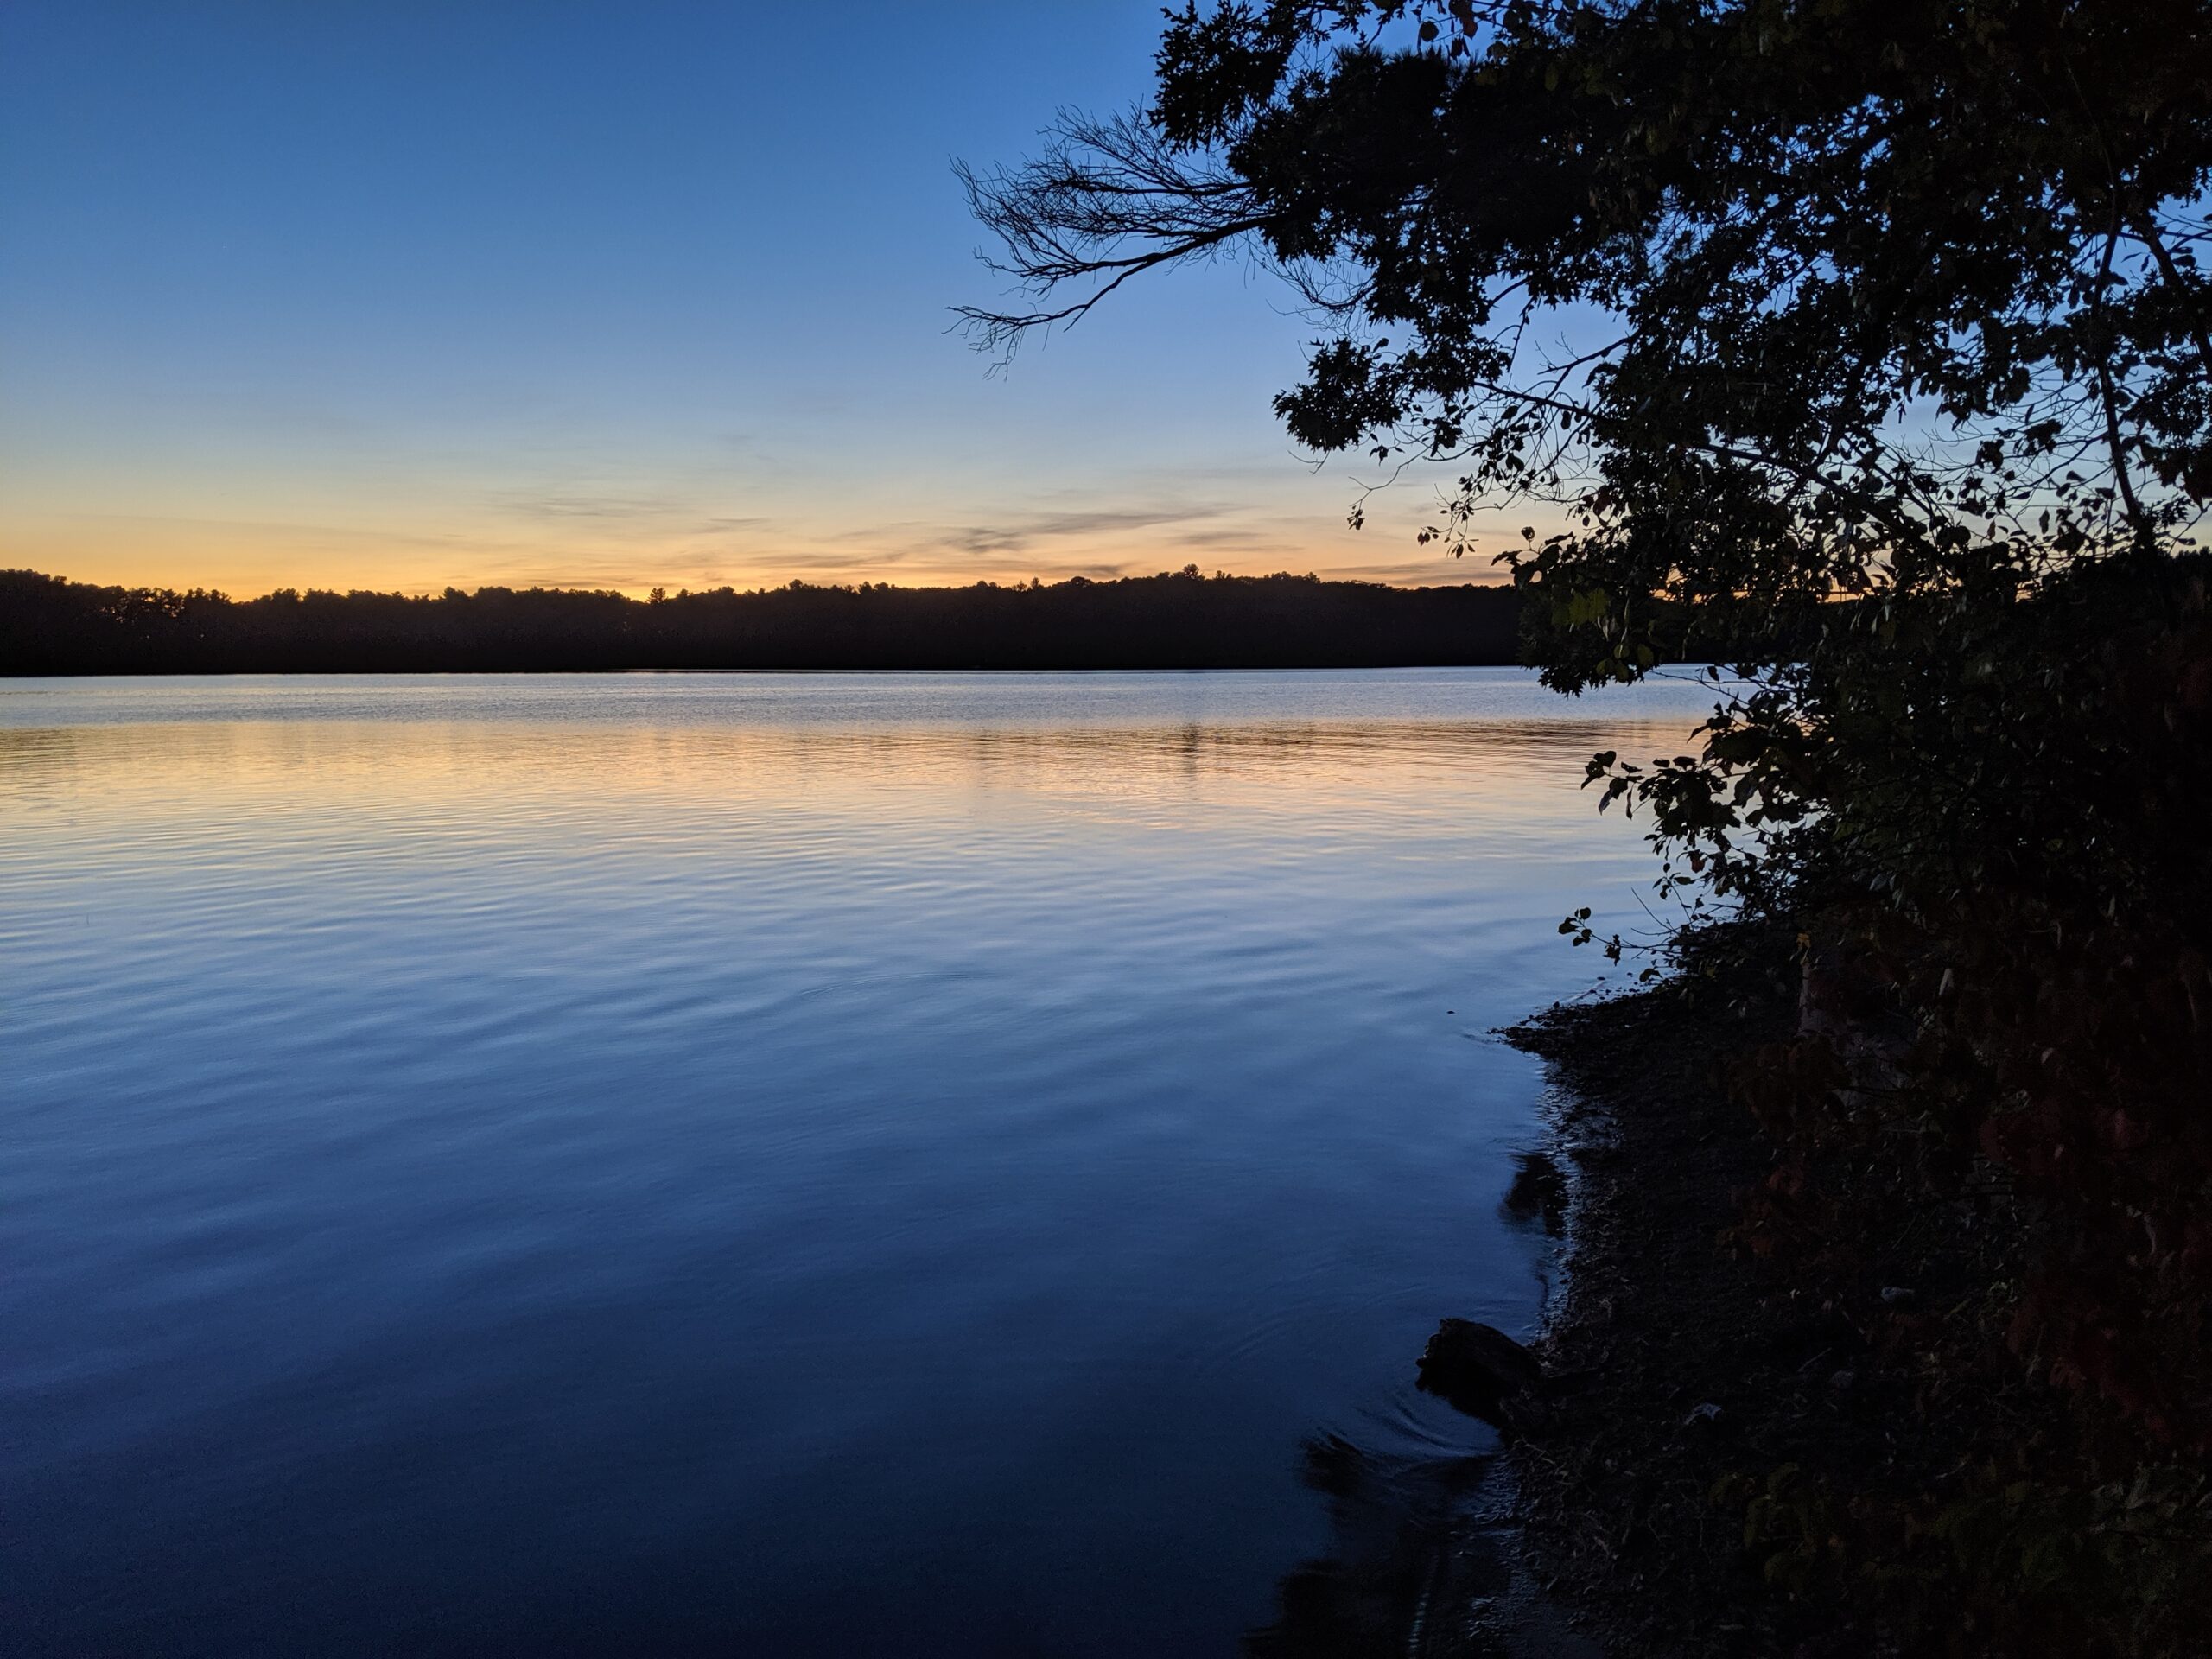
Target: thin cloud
606 507
1434 572
1232 540
1025 532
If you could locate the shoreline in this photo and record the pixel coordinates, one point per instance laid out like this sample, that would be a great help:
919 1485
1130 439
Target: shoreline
1816 1439
1564 1542
1657 1323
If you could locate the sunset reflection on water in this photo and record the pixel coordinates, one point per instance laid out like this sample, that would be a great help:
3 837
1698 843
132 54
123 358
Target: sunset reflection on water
899 1158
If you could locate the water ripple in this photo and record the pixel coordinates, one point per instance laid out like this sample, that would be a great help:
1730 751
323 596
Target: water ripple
715 1162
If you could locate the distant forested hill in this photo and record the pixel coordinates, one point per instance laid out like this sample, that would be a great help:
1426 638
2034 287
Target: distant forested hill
49 625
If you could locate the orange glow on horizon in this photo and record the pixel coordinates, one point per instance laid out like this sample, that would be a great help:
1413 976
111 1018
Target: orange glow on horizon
247 561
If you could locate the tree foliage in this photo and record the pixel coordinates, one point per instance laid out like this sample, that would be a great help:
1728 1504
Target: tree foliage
1865 296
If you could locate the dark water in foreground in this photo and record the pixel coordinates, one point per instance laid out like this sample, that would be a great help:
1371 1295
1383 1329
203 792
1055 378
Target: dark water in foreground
787 1163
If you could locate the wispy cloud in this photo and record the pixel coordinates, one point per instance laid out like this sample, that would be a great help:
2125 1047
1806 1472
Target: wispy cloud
1435 571
620 508
1229 540
1019 535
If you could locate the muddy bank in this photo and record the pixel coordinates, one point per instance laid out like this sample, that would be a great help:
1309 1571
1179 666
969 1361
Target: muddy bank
1686 1364
1821 1450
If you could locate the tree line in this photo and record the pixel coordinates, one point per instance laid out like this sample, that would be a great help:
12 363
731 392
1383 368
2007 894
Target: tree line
1186 621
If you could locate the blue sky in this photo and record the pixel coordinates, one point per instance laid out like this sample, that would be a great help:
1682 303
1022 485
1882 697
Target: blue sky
396 295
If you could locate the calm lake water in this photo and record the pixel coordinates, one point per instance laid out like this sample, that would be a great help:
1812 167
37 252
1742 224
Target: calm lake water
779 1164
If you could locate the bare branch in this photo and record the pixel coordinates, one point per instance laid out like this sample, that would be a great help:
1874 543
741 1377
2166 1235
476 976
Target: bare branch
1109 198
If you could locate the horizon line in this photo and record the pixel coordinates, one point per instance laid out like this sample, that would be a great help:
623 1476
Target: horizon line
660 593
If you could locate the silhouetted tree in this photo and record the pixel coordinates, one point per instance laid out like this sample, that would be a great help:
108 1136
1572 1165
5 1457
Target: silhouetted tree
1866 345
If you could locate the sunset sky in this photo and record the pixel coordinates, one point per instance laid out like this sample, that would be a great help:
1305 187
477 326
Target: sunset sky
401 295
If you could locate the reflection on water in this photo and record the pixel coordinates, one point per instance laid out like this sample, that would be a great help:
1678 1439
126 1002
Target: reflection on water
777 1164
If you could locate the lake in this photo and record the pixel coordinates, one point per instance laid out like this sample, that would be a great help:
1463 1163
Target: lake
772 1164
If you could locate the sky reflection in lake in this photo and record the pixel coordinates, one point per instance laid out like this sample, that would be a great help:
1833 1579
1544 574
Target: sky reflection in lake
784 1164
